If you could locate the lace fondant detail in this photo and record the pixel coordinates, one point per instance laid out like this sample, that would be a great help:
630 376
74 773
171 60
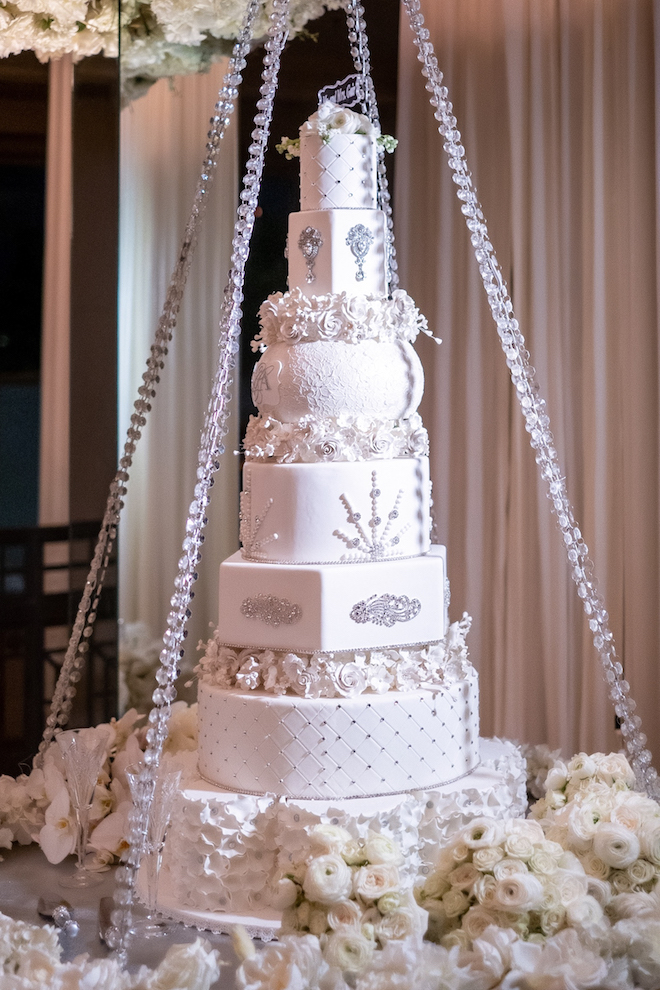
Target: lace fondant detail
341 438
334 675
294 318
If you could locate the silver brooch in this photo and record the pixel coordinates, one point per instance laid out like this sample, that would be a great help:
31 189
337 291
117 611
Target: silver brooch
359 241
374 544
309 243
272 610
385 610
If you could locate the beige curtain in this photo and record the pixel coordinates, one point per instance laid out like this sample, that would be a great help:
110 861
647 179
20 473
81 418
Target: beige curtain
54 431
163 137
555 102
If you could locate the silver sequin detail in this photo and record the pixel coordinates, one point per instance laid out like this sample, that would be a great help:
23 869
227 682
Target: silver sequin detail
272 610
385 610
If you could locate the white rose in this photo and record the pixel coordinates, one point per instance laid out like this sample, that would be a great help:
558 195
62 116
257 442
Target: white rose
521 892
542 862
455 902
482 832
508 868
345 914
486 858
594 866
371 882
349 950
327 880
381 849
622 882
193 965
460 852
484 889
329 839
399 924
519 847
435 886
616 846
570 886
525 826
615 768
641 872
477 920
464 876
552 919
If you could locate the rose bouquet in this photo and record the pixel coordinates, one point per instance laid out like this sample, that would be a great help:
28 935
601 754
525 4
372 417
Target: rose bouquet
349 893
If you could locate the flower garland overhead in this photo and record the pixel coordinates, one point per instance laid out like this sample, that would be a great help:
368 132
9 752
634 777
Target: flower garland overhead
159 38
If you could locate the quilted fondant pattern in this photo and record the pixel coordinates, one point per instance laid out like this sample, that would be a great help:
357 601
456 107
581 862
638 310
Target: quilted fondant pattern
346 747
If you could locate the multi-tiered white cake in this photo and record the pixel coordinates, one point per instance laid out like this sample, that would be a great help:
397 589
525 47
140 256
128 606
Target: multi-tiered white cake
334 687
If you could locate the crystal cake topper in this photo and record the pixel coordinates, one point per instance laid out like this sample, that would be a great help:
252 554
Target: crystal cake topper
359 241
347 92
309 243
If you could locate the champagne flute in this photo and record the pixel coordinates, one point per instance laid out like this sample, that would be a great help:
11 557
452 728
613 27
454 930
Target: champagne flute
160 796
83 754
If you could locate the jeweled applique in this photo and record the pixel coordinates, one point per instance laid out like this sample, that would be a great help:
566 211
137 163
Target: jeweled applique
359 241
272 610
385 610
375 544
310 242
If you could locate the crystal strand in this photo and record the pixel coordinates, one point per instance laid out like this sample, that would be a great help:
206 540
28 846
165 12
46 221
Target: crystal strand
84 623
359 48
537 422
215 428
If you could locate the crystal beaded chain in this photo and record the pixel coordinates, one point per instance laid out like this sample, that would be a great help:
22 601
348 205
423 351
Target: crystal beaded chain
78 647
537 422
357 37
211 447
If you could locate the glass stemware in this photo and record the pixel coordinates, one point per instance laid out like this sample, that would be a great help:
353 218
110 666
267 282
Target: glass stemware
160 801
83 754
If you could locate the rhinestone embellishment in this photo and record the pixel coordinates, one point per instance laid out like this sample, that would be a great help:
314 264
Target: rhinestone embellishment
272 610
309 242
359 240
385 610
373 545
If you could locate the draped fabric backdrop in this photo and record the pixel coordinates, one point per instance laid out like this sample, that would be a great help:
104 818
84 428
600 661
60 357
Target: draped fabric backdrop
555 102
163 137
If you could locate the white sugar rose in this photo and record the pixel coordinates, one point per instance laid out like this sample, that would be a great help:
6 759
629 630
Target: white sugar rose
518 893
327 880
381 849
371 882
616 846
349 950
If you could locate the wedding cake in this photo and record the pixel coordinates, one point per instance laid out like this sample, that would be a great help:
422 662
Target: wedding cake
334 689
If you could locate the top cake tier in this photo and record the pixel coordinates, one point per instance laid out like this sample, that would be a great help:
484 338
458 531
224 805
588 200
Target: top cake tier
337 161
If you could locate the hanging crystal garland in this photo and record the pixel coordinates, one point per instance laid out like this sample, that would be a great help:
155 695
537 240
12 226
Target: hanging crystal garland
537 422
211 447
78 647
357 37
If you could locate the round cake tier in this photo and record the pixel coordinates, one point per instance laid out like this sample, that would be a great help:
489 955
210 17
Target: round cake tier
314 513
337 173
322 378
308 748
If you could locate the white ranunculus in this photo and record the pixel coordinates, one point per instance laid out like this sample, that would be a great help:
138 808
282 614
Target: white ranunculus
295 962
381 848
585 913
521 892
649 840
615 845
600 889
615 768
557 777
482 832
525 826
583 820
509 867
194 965
348 950
329 839
581 767
399 924
637 905
632 810
344 914
327 880
371 882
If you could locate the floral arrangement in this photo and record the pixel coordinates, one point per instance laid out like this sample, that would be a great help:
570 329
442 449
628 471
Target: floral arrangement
30 959
159 38
333 675
35 807
329 438
293 317
523 904
331 119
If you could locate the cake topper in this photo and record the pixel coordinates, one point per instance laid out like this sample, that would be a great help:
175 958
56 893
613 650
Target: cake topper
347 92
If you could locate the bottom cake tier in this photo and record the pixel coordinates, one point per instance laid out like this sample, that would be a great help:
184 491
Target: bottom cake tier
225 850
